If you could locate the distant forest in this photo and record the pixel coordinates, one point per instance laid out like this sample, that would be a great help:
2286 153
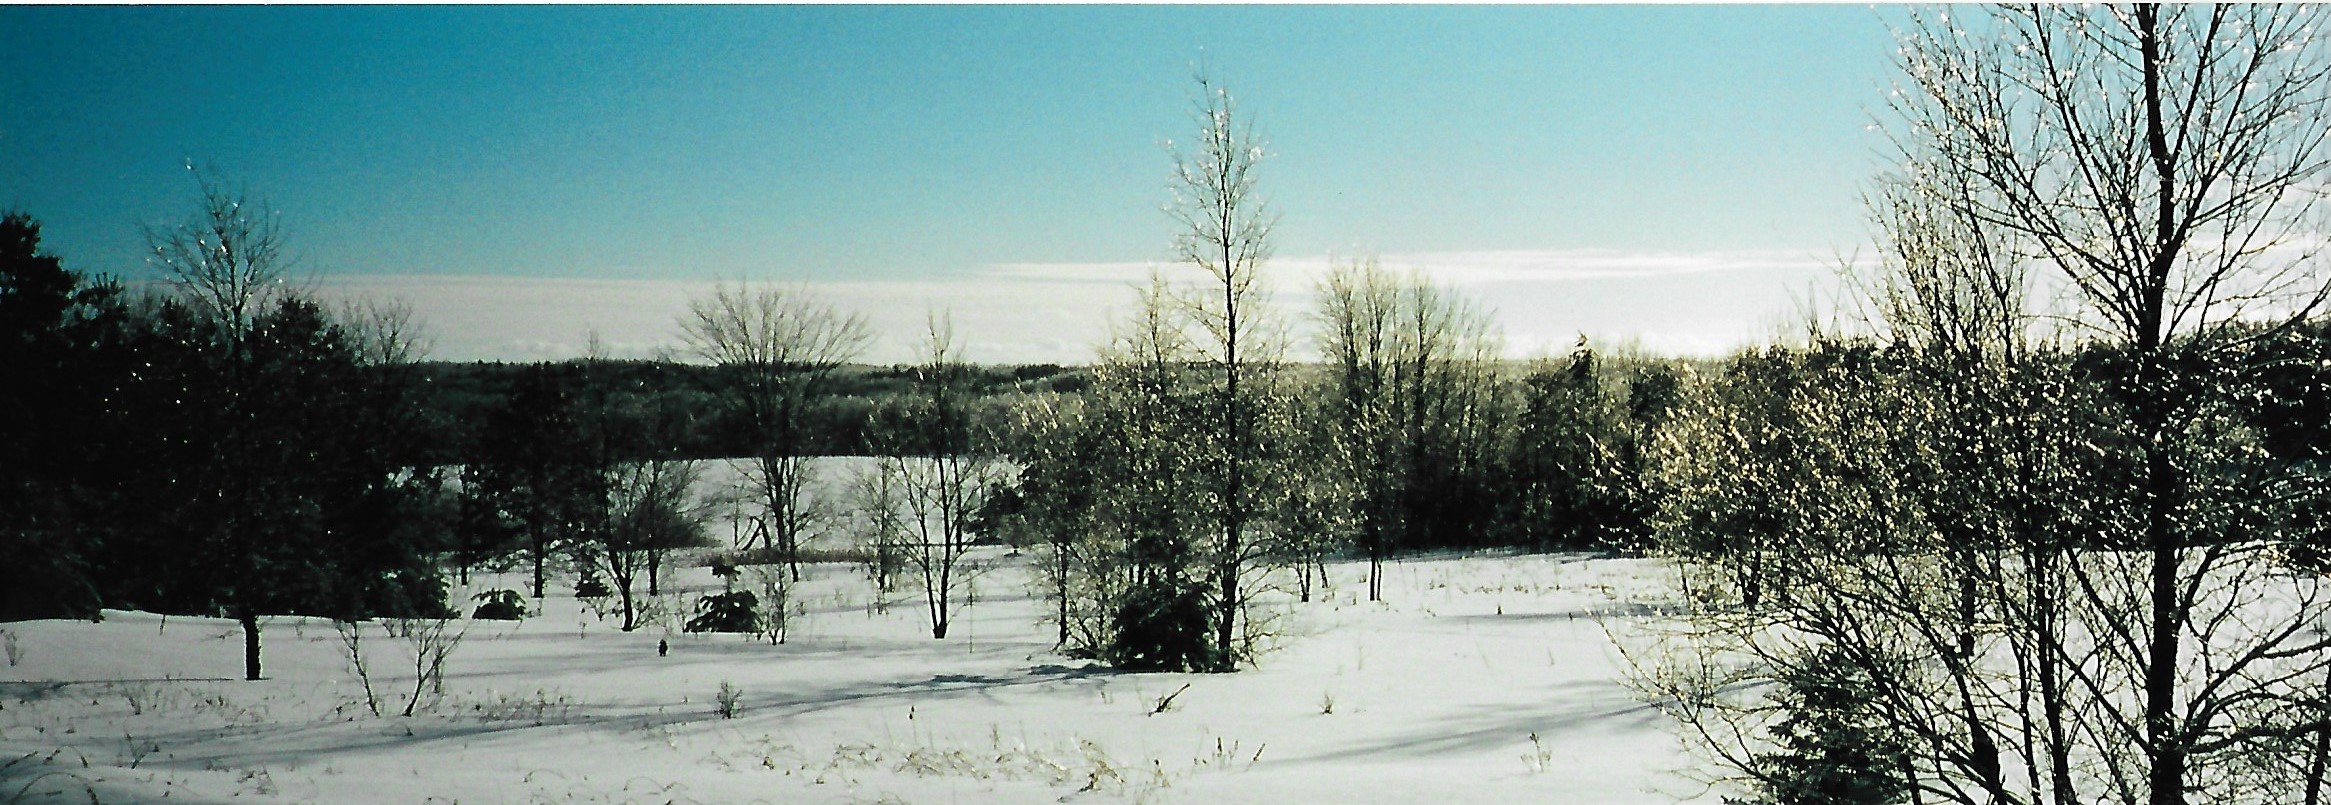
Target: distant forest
458 400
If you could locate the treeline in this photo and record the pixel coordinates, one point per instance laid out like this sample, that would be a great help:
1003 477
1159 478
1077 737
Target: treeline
223 446
459 400
1412 434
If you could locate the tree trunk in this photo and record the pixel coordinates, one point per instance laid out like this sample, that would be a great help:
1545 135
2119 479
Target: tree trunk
2051 678
1375 572
2167 778
538 543
630 612
1967 605
1060 583
2320 753
1228 625
792 553
250 620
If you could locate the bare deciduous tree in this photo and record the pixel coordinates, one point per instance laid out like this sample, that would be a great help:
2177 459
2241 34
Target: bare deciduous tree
2165 162
779 345
1226 233
650 510
384 331
1410 363
2058 568
228 257
944 474
880 530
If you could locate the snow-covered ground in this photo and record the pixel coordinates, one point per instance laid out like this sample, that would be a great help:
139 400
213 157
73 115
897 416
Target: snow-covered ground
1432 696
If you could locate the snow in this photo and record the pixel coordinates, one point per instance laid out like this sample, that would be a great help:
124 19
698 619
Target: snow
1435 695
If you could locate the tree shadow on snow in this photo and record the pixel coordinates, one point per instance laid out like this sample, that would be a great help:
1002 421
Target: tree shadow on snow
938 686
1560 710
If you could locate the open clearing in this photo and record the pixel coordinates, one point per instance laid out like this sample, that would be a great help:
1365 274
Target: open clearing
1432 696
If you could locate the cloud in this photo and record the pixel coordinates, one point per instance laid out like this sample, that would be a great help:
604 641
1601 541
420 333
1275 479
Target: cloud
468 318
1677 303
1463 267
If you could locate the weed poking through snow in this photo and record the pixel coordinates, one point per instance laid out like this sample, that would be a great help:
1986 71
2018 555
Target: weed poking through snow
725 701
1539 758
1166 702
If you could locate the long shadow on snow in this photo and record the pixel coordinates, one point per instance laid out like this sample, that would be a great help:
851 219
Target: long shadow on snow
635 651
33 690
941 685
1498 726
1630 609
219 748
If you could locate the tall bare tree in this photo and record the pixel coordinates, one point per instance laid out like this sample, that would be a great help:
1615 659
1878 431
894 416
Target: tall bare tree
778 346
944 474
228 260
2165 162
1226 233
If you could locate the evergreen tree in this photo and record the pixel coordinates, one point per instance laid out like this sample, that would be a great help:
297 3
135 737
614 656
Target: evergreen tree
59 339
1576 472
1832 749
532 473
272 477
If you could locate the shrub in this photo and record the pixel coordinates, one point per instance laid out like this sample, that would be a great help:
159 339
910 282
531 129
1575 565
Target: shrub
724 702
1163 627
727 612
499 605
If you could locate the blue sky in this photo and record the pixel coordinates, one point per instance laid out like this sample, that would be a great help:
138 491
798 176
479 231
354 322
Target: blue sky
911 157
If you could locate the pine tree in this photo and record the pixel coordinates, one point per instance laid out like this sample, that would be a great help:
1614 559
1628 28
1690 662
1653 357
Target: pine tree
59 339
1832 750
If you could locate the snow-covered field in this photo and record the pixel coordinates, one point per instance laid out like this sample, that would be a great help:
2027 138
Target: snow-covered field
1432 696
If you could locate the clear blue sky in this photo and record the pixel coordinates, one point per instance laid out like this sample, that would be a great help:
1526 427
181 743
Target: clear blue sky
910 144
